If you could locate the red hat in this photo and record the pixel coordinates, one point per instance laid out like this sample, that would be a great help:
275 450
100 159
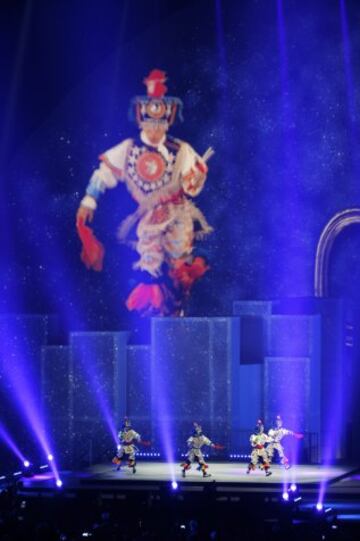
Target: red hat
155 106
155 83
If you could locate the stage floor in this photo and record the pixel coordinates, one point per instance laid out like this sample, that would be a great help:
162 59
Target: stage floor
220 472
226 476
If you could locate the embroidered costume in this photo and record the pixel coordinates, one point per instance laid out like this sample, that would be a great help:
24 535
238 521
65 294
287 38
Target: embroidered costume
127 446
194 454
258 442
277 434
162 174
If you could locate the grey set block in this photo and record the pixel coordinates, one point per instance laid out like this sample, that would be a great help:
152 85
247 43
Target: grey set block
251 405
98 391
91 443
294 341
287 389
251 394
253 316
138 405
289 348
98 371
55 387
293 335
195 377
337 376
55 381
252 308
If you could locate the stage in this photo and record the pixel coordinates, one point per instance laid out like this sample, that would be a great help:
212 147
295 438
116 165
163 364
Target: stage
227 477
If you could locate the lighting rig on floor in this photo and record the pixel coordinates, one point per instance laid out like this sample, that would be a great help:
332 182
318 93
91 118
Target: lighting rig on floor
28 470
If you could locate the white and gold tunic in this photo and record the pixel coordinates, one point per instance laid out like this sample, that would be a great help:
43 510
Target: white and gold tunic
161 178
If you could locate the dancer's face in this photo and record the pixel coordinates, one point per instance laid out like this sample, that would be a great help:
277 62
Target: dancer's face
154 131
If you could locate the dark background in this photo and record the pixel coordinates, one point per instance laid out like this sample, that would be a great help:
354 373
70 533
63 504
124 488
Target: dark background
275 93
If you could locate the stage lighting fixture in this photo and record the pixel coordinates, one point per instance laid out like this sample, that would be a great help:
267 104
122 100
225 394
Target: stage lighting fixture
293 487
59 483
29 469
319 506
285 496
50 457
174 485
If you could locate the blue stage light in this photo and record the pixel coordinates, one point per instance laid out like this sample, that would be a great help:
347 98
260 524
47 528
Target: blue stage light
59 483
26 464
50 457
174 485
319 506
285 496
293 487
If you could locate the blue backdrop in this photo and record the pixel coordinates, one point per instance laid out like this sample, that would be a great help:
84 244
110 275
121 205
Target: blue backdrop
271 85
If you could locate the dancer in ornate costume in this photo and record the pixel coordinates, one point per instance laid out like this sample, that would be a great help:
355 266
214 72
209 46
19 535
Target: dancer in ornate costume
258 442
127 448
276 434
162 174
194 454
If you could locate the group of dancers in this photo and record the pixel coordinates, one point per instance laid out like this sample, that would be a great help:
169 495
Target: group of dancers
265 447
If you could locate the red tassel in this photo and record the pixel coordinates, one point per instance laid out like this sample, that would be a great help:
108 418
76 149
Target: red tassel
92 253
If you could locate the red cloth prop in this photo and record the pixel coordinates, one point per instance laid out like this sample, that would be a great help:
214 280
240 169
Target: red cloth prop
218 446
92 253
146 443
185 274
148 299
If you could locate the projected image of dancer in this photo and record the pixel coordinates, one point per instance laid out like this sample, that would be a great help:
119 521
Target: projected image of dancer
162 174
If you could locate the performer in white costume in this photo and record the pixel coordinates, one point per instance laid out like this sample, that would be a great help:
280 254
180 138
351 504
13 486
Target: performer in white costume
127 448
258 442
194 454
277 433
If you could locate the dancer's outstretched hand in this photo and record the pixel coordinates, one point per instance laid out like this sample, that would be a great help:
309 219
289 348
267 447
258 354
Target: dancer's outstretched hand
84 214
218 446
147 443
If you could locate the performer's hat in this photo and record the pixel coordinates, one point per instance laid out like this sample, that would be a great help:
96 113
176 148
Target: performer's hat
156 107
